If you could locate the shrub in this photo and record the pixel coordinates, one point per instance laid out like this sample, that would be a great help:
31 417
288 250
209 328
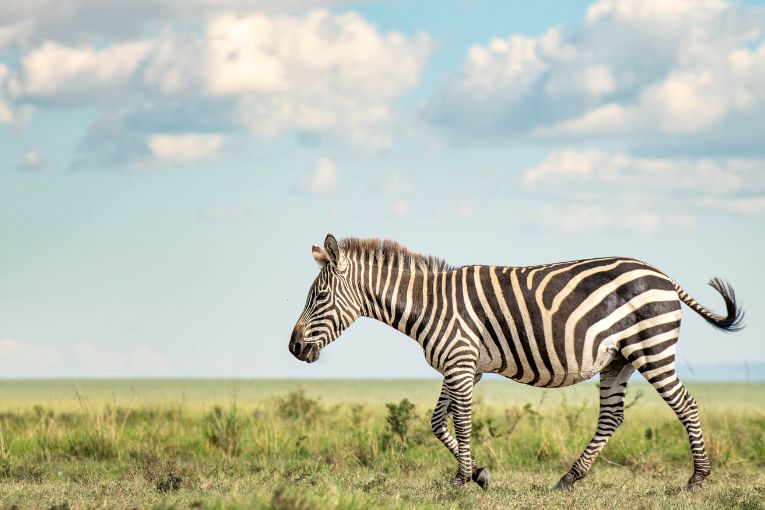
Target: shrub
223 429
398 420
297 406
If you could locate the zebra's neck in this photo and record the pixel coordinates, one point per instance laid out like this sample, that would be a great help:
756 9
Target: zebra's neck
397 295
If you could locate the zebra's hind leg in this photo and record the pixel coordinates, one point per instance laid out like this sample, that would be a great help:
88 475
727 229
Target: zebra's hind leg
613 386
659 370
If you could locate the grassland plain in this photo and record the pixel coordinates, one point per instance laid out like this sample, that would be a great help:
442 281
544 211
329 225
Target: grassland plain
336 444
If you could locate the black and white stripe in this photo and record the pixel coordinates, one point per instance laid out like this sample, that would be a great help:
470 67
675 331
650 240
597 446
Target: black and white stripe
549 326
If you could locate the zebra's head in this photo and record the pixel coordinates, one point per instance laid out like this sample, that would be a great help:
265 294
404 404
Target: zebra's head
331 305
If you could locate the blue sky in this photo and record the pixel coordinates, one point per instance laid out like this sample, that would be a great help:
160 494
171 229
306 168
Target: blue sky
167 167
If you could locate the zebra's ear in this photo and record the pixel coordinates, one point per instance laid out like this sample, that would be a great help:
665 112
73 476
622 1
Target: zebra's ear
320 256
336 259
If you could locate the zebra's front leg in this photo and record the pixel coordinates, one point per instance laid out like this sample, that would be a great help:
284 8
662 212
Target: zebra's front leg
459 388
439 423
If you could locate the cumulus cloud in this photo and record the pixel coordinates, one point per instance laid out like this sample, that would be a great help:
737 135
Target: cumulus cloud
79 75
590 218
594 190
751 206
184 148
15 34
85 21
330 76
644 69
6 114
570 169
323 179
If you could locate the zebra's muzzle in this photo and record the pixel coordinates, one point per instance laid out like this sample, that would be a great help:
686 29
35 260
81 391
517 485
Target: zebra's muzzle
305 352
308 352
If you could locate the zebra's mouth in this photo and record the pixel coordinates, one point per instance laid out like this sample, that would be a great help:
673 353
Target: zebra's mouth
313 354
309 353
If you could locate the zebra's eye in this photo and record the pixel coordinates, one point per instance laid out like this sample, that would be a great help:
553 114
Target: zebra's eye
322 293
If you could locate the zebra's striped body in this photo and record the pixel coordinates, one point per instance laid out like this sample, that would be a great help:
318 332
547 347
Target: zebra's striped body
548 326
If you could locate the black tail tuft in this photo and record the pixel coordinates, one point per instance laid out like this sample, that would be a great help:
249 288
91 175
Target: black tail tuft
734 320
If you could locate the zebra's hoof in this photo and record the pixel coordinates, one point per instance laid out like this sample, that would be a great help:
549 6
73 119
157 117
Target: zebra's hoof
566 483
695 481
481 477
458 481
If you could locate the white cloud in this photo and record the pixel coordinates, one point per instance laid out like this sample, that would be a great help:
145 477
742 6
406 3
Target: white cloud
397 185
654 68
15 33
98 359
568 170
28 359
322 180
32 160
401 208
6 115
319 73
594 190
184 148
575 219
750 206
332 76
18 358
82 75
85 21
149 361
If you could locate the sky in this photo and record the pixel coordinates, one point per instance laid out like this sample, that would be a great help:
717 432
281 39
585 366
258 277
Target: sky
167 165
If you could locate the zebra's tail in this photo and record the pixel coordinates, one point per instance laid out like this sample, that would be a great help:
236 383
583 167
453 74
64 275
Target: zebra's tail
733 321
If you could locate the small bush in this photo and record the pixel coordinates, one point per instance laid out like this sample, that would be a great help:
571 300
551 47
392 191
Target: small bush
398 421
223 430
297 406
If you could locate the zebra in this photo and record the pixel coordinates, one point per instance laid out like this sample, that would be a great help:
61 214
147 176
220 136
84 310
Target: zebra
548 326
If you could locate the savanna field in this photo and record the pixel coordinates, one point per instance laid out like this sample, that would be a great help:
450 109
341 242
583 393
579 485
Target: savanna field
359 444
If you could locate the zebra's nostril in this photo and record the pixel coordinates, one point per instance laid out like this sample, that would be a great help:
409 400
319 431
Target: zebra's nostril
296 340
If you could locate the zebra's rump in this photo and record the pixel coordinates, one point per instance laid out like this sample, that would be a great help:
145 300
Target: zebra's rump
559 324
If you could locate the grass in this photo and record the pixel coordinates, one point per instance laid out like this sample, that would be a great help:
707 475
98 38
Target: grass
336 444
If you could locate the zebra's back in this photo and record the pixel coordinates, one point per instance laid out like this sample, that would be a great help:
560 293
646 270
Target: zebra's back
558 324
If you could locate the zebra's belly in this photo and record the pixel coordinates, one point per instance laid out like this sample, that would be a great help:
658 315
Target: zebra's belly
606 353
607 350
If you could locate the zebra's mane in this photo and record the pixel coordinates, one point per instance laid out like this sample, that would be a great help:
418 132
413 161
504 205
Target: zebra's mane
386 251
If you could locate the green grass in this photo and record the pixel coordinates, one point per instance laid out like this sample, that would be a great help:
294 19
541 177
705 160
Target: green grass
334 444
